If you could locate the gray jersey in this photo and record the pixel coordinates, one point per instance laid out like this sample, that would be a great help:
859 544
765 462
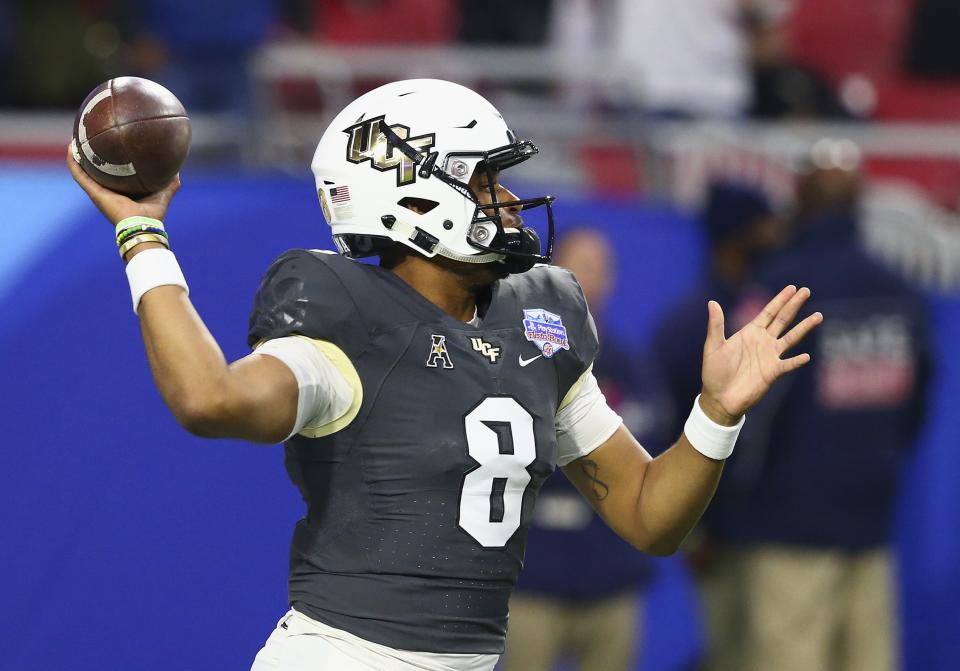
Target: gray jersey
417 511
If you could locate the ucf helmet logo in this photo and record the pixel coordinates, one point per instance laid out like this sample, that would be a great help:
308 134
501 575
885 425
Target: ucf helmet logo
368 143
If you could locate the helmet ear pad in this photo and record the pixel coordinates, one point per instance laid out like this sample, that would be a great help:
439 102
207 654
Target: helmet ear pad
524 241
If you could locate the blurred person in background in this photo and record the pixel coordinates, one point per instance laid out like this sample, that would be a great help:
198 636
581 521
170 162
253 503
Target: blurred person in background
816 548
804 516
932 49
594 620
505 21
781 87
686 59
740 229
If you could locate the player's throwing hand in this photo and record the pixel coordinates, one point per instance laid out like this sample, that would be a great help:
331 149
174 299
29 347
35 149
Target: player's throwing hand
738 371
117 207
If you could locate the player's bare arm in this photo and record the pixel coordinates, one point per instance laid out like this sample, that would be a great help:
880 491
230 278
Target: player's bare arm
254 398
654 503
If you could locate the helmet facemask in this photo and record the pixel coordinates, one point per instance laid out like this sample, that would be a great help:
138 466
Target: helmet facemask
518 248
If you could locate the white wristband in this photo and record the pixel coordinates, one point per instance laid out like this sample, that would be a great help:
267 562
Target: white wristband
709 438
150 269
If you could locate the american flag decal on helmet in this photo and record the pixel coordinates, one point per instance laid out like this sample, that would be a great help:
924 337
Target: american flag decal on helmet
340 194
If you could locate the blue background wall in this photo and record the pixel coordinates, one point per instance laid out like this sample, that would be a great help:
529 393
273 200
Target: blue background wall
128 544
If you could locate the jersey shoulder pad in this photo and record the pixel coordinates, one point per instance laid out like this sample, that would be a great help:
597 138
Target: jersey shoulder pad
543 278
305 293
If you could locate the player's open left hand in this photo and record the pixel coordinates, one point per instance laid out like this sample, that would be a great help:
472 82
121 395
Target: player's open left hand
115 206
738 371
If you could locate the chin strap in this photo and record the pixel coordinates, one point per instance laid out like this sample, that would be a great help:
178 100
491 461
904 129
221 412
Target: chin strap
448 253
431 245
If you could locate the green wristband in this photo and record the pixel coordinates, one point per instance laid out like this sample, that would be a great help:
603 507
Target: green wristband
130 222
128 233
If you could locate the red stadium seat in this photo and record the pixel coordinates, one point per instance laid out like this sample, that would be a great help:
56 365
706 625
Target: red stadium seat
611 169
938 178
843 37
918 100
389 22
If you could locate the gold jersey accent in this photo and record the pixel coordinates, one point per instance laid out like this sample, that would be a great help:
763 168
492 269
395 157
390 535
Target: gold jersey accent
575 389
343 364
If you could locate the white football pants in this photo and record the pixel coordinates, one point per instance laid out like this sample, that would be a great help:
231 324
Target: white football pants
300 643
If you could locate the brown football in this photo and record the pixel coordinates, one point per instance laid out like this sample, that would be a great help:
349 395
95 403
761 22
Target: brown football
131 135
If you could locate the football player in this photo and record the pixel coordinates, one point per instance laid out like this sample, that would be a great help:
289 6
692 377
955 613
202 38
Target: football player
423 402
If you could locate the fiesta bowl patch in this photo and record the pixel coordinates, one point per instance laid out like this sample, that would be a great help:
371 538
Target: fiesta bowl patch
545 330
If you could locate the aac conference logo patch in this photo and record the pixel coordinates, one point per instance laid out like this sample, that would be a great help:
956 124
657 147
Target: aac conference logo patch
545 330
439 357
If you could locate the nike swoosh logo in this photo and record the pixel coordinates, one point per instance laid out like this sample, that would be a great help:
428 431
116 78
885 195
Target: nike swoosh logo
527 362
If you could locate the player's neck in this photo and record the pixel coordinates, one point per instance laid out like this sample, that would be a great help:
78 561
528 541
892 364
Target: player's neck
451 291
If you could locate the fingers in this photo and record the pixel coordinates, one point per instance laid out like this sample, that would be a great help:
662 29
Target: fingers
715 321
800 331
77 171
73 165
793 363
794 336
116 206
98 194
772 309
788 312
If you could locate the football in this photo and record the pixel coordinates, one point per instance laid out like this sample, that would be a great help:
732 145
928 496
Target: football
131 135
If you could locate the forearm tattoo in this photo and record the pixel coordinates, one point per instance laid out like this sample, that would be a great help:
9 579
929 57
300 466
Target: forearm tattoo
598 486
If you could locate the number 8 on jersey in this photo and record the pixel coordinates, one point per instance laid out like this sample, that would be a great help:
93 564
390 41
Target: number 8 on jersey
500 438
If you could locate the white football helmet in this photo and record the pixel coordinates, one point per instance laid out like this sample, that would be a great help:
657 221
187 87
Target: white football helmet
418 142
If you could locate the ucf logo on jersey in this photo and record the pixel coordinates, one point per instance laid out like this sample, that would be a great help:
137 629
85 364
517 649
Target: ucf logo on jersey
492 352
368 143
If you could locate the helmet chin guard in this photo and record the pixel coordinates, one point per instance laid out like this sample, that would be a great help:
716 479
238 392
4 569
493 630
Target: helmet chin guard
394 167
